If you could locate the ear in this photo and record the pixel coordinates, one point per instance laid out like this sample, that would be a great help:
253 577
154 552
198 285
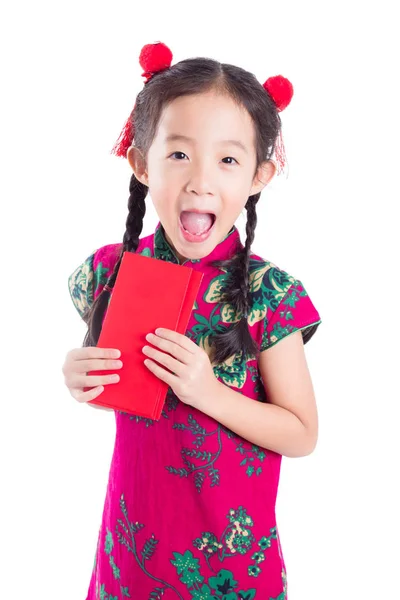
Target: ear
138 164
265 173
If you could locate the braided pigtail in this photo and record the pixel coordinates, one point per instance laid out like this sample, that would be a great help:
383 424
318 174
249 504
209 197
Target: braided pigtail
134 225
236 292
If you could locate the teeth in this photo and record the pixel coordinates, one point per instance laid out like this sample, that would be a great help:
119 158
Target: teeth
191 233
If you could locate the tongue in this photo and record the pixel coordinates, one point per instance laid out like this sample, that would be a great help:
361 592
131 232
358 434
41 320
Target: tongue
196 223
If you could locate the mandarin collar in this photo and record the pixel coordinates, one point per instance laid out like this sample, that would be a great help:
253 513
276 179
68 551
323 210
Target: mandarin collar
222 251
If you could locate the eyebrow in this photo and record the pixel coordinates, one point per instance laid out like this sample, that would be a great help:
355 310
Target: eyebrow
177 137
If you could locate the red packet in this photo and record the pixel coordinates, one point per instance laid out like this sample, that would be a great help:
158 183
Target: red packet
148 293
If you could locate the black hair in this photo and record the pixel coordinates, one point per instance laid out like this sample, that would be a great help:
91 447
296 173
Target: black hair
190 77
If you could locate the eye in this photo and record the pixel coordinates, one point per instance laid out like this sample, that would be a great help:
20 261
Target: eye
227 157
178 152
231 158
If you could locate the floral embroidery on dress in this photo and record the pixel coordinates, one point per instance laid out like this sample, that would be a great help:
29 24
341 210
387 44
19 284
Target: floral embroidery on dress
288 317
236 539
80 285
85 282
268 285
207 460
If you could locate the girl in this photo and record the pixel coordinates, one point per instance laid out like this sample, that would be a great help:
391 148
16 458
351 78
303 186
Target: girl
190 505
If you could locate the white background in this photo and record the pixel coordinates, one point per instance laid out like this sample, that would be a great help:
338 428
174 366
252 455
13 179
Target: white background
70 74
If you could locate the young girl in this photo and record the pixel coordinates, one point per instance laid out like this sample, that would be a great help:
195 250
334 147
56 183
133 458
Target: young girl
190 504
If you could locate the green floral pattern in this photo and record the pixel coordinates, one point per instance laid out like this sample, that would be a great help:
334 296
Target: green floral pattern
200 569
84 281
200 520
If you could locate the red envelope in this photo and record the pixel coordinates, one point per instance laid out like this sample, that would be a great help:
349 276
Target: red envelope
148 293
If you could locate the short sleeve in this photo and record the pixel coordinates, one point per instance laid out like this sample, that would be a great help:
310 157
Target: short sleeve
81 285
295 312
88 280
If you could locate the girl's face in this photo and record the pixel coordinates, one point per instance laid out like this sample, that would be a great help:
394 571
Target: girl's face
206 170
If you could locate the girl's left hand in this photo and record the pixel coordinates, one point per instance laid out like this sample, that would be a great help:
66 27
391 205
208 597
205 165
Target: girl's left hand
192 378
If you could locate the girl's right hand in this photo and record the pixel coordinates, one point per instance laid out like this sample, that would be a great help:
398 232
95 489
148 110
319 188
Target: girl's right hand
80 361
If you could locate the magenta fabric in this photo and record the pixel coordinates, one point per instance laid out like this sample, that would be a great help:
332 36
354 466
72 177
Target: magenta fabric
189 511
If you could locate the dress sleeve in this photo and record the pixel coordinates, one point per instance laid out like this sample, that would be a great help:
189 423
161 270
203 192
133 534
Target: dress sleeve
81 285
88 280
295 312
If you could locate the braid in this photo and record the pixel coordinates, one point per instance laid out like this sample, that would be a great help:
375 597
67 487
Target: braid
134 225
136 212
236 292
250 228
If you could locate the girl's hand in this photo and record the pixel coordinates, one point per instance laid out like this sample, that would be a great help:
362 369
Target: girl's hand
192 378
80 361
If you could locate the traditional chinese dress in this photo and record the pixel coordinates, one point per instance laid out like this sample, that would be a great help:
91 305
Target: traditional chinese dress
189 511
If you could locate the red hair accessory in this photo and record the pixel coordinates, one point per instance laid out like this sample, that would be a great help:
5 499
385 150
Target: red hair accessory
153 58
158 57
281 91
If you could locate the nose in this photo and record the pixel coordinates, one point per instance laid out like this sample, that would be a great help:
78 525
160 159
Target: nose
200 180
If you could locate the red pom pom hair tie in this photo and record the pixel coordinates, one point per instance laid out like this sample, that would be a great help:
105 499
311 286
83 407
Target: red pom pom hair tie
153 58
281 91
158 57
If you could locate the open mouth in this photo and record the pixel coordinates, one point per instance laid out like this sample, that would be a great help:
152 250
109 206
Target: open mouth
213 219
